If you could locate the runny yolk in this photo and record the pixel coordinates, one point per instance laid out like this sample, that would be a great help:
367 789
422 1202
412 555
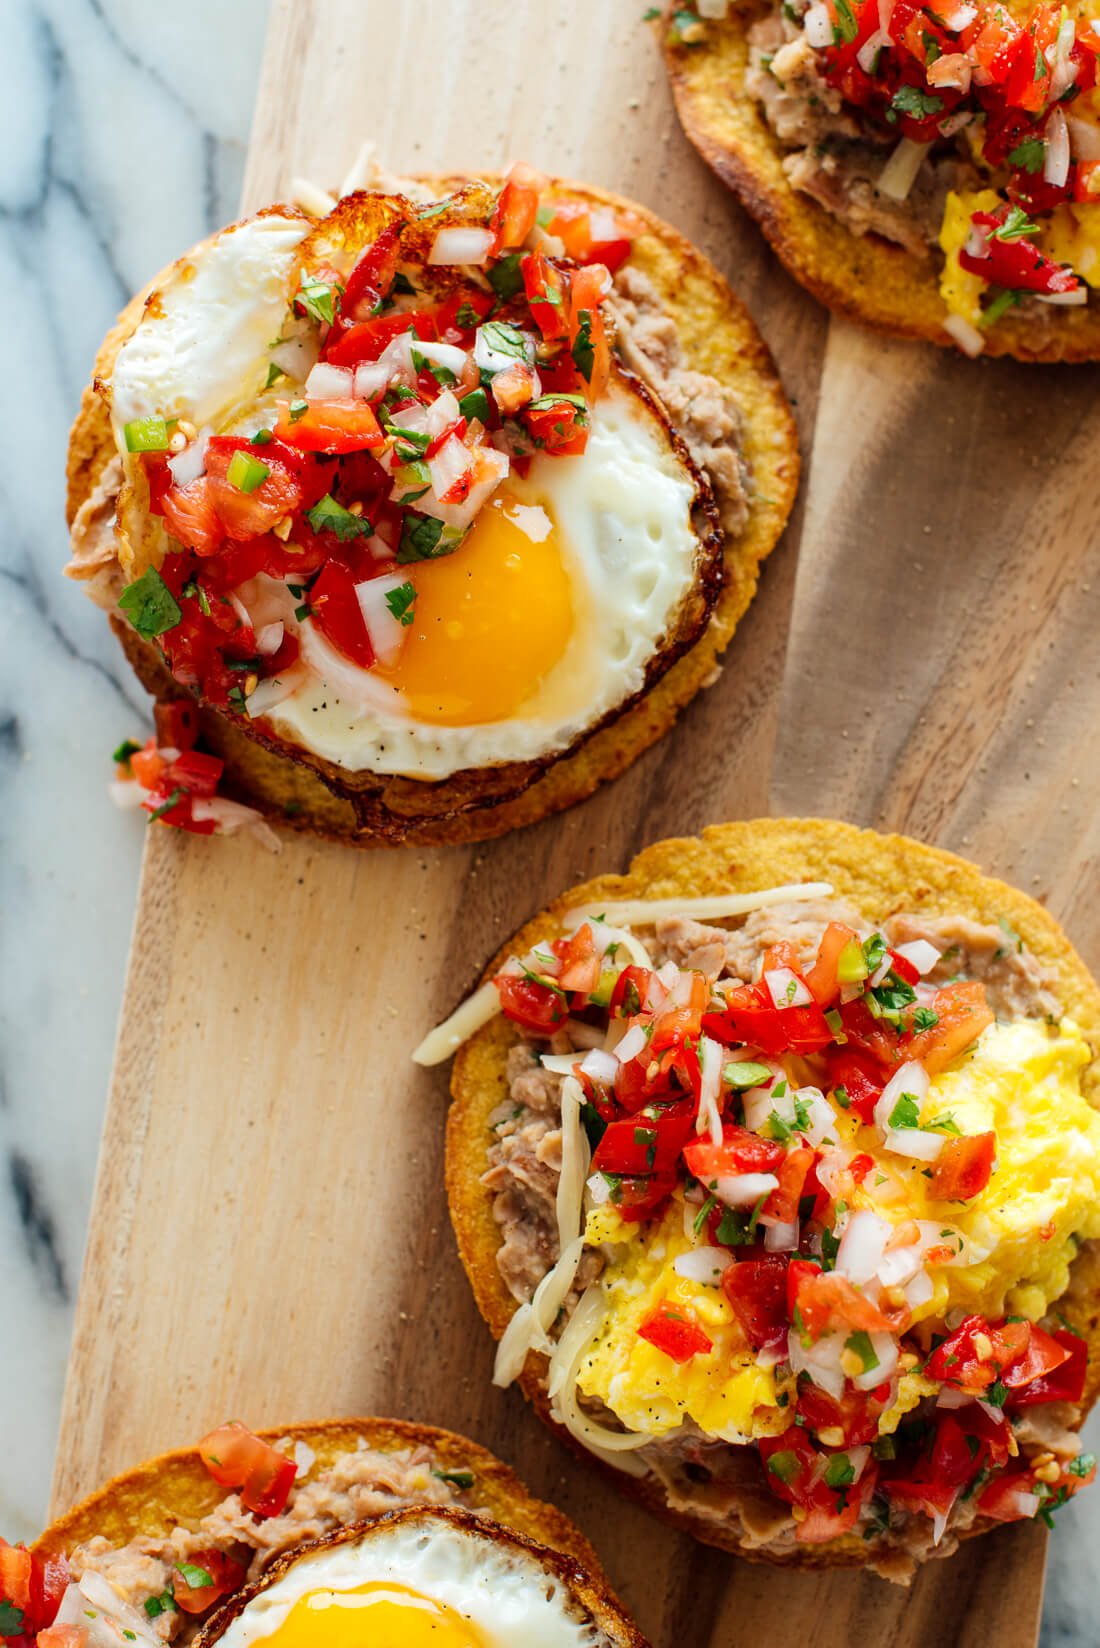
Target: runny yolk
378 1615
489 622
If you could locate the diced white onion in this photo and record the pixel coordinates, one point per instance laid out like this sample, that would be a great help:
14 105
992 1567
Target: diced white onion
920 954
781 1238
449 465
126 793
702 1264
819 1113
758 1104
968 338
1084 138
304 1458
885 1347
327 382
786 988
599 1189
444 354
954 123
1056 161
488 359
898 1265
109 1622
613 1447
600 1066
515 1342
387 634
939 1521
908 1078
645 912
862 1246
912 1142
711 8
559 1064
1063 68
950 1397
919 1290
952 71
960 19
269 638
188 465
633 1043
370 378
296 353
230 816
710 1084
745 1189
1069 300
817 26
1027 1504
316 201
273 690
867 55
461 244
490 468
821 1361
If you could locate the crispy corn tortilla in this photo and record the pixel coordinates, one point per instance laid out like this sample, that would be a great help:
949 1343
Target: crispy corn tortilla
718 336
586 1587
862 277
880 874
176 1488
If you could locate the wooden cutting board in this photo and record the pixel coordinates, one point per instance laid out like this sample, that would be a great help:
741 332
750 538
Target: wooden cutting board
269 1237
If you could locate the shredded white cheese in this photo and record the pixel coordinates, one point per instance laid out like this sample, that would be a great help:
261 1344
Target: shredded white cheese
447 1037
317 202
644 912
530 1326
575 1157
613 1447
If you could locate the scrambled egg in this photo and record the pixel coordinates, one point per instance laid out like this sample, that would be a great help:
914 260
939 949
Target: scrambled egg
1071 234
960 290
1020 1235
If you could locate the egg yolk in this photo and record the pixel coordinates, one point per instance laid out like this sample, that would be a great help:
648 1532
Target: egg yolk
489 622
378 1615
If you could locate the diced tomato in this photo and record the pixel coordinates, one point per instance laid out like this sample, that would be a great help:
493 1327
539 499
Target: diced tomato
963 1167
790 1464
1000 1499
336 611
825 1299
367 339
246 515
34 1584
237 1458
158 477
194 772
821 980
515 212
978 1353
963 1013
147 764
330 426
757 1291
649 1142
783 1202
751 1017
855 1414
224 1575
62 1636
864 1033
1052 1369
15 1576
534 1006
545 287
191 518
580 964
177 724
673 1024
1086 186
739 1152
587 333
611 253
1017 265
372 276
559 428
673 1329
861 1078
631 991
570 225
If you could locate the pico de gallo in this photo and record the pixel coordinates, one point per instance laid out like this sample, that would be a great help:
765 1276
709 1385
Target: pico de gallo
1004 96
177 784
837 1207
413 372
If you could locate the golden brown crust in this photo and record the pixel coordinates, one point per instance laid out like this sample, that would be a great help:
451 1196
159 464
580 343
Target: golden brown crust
586 1587
862 277
174 1488
718 337
880 874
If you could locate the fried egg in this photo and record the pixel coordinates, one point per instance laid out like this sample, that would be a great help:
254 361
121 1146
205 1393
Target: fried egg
1016 1240
417 1580
576 583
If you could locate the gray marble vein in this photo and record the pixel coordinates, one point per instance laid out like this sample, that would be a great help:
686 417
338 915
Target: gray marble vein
122 135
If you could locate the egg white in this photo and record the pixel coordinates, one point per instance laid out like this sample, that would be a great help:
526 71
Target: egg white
503 1591
623 512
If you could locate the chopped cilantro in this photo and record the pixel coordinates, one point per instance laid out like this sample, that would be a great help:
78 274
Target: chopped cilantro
1082 1465
1029 155
874 952
475 405
330 516
650 13
274 373
701 1217
504 339
166 807
778 1127
506 277
466 316
1016 226
912 101
861 1344
925 1018
423 538
11 1619
400 602
583 351
318 299
150 605
125 750
997 307
906 1113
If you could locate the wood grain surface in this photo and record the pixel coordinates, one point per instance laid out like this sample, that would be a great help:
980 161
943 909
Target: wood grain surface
269 1236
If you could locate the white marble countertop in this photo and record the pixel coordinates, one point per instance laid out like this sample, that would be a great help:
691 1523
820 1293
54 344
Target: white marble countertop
122 138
